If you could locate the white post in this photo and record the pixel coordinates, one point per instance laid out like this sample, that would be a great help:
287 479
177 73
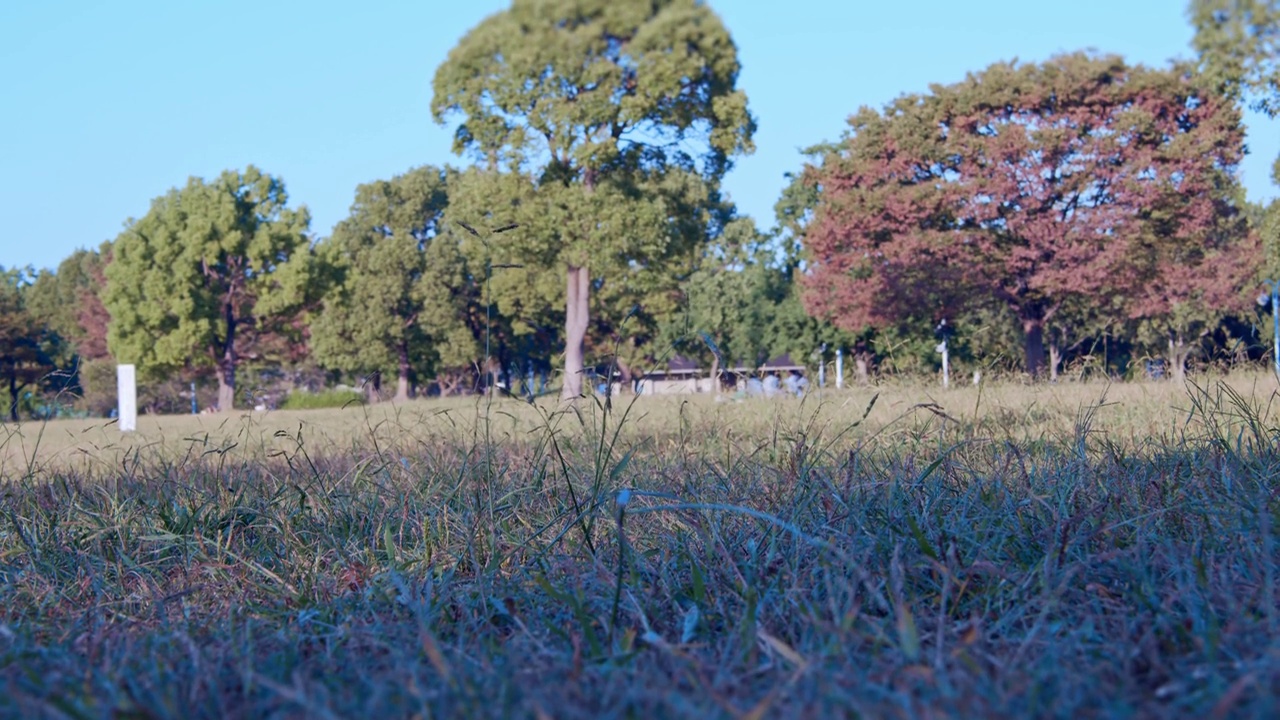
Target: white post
946 358
946 365
127 392
839 368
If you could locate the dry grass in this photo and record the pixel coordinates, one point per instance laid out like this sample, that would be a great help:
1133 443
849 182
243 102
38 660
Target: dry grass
1133 414
1053 552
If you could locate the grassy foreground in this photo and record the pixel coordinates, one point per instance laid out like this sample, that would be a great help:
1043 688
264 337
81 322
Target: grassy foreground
1058 551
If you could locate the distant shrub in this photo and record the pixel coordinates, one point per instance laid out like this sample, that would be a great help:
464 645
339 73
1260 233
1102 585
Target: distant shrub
98 383
324 399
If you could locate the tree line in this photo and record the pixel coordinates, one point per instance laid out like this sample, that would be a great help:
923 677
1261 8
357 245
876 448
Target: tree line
1082 211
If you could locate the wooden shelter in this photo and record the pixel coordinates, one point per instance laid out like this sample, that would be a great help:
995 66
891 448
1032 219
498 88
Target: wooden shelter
682 376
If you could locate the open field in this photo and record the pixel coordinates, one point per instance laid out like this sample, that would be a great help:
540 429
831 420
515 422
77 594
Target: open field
1004 551
1132 414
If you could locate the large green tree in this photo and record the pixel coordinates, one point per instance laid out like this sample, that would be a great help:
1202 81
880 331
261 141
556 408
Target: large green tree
211 271
741 305
519 308
595 100
402 292
728 302
659 233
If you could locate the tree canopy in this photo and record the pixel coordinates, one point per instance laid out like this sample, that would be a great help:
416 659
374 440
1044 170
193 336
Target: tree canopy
1028 185
27 348
211 270
69 301
594 100
1239 46
401 289
1238 42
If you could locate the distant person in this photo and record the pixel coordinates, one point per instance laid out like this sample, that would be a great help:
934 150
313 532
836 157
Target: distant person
802 384
796 383
771 385
755 388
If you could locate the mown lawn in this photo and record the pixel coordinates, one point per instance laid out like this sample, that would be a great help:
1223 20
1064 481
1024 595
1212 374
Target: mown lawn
1056 551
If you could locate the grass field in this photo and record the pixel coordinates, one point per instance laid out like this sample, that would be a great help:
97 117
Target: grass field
902 551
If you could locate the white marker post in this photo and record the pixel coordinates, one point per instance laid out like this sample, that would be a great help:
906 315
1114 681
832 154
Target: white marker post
946 363
127 392
946 355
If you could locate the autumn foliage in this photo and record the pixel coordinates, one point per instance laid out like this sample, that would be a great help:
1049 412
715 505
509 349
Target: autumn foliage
1032 186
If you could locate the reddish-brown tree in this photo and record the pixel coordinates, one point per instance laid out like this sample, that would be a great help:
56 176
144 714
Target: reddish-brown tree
69 303
91 315
1187 288
1030 185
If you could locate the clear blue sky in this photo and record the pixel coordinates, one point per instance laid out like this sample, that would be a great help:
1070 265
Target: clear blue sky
107 105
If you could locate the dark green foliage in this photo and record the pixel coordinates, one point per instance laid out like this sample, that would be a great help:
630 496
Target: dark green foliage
28 349
98 386
402 301
214 272
1239 46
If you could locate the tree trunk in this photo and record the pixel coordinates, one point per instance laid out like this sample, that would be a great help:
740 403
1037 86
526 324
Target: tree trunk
13 396
402 377
576 318
1178 359
862 365
1055 360
715 374
227 383
1034 330
373 387
227 364
491 376
624 376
